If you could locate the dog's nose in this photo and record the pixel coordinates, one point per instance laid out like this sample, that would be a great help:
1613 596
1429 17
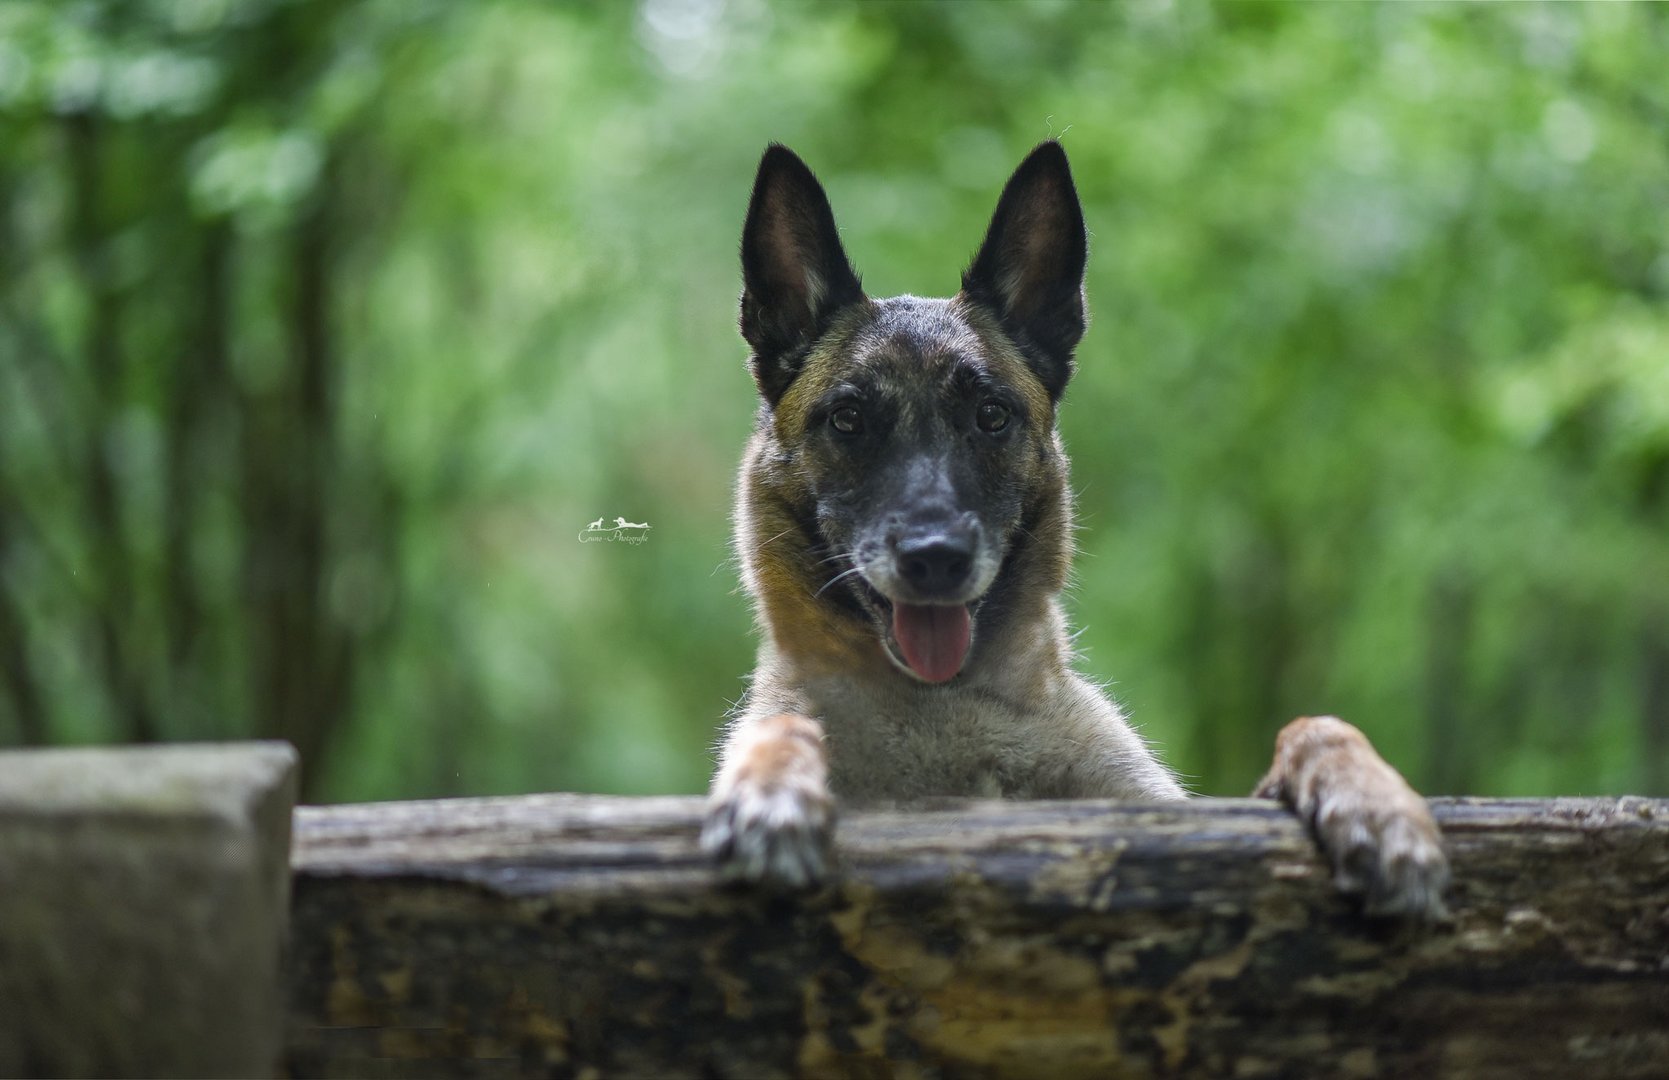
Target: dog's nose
935 563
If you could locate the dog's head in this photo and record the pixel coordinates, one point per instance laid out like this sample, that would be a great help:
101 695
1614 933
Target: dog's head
915 439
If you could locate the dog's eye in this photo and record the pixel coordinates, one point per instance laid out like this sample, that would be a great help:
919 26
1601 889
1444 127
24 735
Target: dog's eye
992 416
846 420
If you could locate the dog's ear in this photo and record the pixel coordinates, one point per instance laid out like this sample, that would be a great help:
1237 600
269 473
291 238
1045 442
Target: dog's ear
1030 270
794 272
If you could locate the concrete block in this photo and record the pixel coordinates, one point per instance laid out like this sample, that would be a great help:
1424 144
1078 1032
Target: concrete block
144 893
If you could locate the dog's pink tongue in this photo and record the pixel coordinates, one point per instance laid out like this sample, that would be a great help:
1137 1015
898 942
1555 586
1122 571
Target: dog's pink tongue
933 638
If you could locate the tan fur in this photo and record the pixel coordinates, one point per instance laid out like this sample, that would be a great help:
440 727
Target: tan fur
821 370
1005 359
780 746
782 578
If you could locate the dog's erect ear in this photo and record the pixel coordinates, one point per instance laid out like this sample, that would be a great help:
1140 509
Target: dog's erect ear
794 272
1030 270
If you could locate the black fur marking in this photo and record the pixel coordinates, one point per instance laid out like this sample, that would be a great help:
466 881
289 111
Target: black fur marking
845 593
795 275
1030 269
1000 599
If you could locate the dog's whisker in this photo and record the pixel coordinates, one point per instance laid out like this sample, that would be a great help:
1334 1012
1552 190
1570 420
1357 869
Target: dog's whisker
837 577
764 543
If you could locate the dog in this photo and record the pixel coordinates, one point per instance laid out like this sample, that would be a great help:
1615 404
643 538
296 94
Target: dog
903 524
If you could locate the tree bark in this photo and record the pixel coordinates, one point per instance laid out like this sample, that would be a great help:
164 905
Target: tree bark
570 935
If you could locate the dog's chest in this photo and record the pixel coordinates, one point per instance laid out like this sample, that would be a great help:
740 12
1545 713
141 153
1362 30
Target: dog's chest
938 741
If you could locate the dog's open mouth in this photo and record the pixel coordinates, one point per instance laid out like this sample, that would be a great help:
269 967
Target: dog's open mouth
932 641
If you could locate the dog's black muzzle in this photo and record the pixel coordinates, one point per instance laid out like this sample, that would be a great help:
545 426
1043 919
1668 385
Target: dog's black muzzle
936 563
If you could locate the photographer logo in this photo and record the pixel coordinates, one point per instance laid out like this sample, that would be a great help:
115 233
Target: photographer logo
622 531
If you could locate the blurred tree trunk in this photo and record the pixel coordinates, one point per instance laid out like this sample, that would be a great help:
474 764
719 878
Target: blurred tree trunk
113 601
1240 645
200 384
17 677
1450 603
301 656
1269 617
1653 494
22 691
1654 701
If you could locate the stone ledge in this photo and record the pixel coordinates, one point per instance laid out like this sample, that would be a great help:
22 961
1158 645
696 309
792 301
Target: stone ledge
144 893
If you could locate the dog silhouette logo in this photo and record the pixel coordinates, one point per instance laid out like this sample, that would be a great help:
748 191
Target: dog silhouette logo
622 531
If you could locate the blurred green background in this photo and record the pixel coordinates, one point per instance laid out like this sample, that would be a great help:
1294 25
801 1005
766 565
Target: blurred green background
325 328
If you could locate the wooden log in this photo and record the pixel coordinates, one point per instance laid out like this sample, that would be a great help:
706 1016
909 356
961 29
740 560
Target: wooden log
583 936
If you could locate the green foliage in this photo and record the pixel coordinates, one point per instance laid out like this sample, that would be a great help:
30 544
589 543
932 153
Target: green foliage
326 327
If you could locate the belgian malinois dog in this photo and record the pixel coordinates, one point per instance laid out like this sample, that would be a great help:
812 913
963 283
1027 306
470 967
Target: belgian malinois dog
903 524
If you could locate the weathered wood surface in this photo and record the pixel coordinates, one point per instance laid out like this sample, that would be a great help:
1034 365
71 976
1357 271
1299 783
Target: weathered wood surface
584 936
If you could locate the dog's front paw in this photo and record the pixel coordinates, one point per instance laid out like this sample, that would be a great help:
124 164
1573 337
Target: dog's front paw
770 817
777 835
1375 830
1385 847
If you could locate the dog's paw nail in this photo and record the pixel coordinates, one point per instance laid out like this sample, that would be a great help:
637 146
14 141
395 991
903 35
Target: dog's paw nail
1410 875
777 838
717 833
1393 860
